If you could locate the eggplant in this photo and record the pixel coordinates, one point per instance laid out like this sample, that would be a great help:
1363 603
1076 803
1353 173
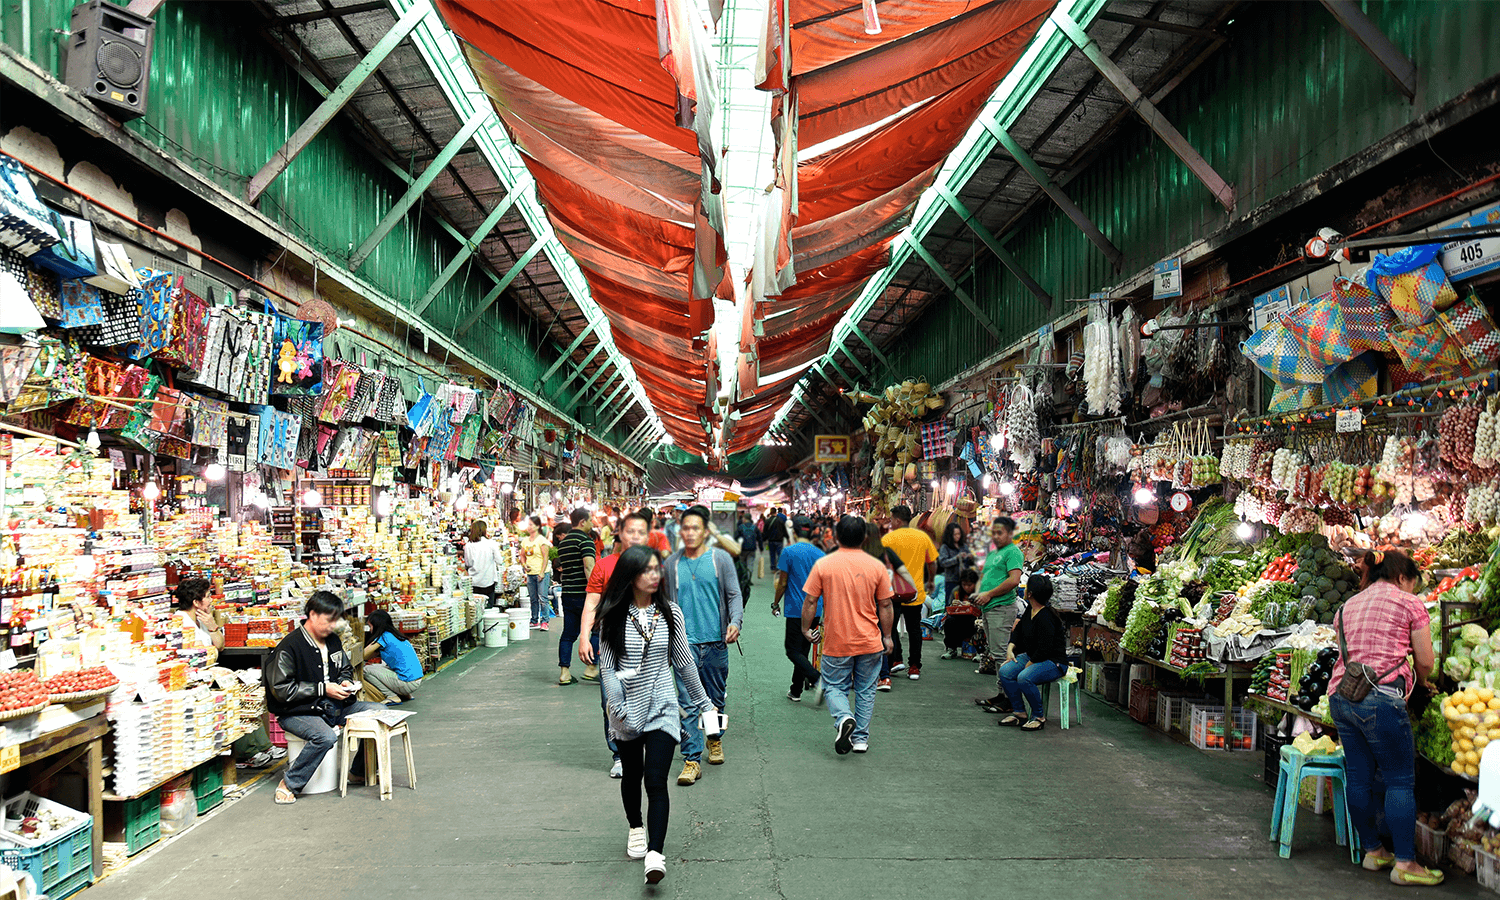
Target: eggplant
1305 682
1302 701
1316 670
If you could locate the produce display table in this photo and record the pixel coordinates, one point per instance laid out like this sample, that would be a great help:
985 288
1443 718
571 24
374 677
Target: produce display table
1227 674
83 740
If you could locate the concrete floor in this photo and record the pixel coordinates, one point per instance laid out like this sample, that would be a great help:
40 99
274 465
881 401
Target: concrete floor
514 802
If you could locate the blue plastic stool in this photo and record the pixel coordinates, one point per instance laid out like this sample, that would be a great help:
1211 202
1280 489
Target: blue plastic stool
1295 766
1069 700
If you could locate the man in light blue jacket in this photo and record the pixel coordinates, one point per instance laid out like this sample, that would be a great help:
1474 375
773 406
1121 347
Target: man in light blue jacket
700 576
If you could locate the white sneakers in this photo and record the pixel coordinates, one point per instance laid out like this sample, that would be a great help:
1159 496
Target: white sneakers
617 770
861 746
656 867
898 668
818 694
635 843
841 742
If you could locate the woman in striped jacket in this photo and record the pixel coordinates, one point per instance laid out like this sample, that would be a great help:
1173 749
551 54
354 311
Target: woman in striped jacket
643 643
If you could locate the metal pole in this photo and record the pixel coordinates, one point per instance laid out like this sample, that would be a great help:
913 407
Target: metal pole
569 352
464 252
489 299
1063 201
990 241
1402 70
960 293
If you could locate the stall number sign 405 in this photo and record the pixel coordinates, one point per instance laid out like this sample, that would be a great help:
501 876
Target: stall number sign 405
1465 259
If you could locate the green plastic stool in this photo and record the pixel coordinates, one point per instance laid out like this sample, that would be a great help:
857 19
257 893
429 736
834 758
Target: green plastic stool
1295 766
1069 699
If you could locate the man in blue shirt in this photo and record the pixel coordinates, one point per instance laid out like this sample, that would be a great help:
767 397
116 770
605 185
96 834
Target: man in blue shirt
792 569
701 578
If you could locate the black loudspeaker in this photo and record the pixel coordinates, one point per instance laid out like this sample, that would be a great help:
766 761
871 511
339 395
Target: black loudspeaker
109 57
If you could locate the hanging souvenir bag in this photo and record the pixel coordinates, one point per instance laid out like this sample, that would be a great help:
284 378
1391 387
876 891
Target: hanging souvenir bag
1413 282
16 362
1470 324
366 395
1368 319
340 382
1292 399
81 304
1277 352
423 414
153 310
298 348
1427 350
1353 382
1319 326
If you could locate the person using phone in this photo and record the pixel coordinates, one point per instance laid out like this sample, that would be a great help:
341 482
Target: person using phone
308 679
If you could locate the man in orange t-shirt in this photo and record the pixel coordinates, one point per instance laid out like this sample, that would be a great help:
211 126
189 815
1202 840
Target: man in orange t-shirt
857 619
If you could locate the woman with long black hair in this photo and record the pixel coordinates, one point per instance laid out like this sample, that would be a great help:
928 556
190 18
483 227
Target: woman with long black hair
643 643
399 671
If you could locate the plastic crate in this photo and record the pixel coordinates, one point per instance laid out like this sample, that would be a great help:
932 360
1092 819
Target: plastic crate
1207 729
1271 744
1109 681
208 785
1093 673
1142 702
273 730
60 865
1432 846
1486 869
142 822
236 634
1463 854
1171 709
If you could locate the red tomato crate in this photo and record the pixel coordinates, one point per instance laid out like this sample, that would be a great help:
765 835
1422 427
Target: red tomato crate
1208 729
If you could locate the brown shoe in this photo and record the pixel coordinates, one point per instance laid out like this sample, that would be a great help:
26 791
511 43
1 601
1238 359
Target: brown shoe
690 773
716 751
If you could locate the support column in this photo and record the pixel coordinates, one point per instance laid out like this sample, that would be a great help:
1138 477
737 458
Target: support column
577 342
990 241
419 187
335 102
578 369
864 339
854 359
573 401
494 293
1148 111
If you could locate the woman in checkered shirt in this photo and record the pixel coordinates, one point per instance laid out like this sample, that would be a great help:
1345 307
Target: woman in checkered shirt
1381 627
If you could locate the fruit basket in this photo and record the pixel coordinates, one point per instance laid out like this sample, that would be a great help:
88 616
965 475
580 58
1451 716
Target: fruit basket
85 684
9 714
21 694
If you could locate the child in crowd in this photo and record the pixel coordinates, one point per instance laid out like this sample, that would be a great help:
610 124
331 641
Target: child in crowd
962 614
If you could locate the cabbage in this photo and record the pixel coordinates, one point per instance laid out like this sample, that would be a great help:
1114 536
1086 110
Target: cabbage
1456 667
1480 656
1494 641
1461 651
1473 635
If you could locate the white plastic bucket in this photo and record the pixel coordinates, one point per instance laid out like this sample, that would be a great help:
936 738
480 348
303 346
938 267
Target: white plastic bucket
496 629
520 624
326 778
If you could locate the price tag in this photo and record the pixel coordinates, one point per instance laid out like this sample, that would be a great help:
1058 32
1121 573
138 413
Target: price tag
1349 420
7 660
1168 280
10 758
117 459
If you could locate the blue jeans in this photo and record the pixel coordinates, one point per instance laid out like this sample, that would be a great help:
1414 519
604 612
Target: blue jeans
1377 739
840 674
320 738
1018 681
572 625
713 671
774 548
547 605
534 586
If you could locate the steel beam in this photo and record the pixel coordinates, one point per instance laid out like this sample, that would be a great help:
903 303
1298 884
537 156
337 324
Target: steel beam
335 102
611 399
573 401
833 361
578 369
494 293
854 359
1158 123
1402 70
419 187
604 386
463 254
864 339
1157 24
960 293
569 352
1063 201
640 426
990 241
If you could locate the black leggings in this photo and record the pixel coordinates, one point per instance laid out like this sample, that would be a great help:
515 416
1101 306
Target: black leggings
648 758
957 630
804 673
912 616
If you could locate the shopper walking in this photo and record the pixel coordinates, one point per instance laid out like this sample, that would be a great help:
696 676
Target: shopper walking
895 569
1037 655
633 531
856 625
644 644
775 536
673 526
953 558
536 557
482 556
744 532
701 577
791 574
310 689
575 560
656 538
1378 628
920 557
997 601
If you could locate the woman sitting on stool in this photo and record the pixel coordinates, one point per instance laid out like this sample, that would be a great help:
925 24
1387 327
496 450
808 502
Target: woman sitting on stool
1037 655
399 671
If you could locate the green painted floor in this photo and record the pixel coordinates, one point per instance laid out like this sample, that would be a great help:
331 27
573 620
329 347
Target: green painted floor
514 801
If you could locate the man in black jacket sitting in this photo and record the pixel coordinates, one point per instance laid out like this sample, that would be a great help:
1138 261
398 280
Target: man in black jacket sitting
310 687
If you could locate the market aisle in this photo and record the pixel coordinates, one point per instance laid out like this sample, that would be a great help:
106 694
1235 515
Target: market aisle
515 802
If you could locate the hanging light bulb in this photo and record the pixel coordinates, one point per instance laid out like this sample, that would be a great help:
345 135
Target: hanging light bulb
934 484
996 440
311 497
462 502
92 441
1007 488
506 488
383 504
260 500
214 471
986 480
953 486
1074 503
1244 531
1144 495
150 491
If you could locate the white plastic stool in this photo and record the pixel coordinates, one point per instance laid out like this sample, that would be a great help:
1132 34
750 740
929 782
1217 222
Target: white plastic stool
326 778
378 761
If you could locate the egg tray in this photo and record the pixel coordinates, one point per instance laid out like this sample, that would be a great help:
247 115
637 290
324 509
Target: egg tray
18 713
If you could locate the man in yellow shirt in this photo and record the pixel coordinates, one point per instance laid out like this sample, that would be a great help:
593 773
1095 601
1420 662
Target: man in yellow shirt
919 555
536 555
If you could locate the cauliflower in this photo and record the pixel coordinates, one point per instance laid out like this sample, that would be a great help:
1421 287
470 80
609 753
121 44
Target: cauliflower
1457 668
1473 635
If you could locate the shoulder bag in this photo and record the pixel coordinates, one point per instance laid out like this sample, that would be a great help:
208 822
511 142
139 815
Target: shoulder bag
1358 678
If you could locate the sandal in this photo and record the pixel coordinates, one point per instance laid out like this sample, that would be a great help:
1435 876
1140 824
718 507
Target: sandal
562 683
1375 861
992 709
284 795
1428 878
1033 725
1009 721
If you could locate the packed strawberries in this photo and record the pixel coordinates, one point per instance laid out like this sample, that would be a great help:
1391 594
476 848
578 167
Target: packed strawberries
84 680
20 690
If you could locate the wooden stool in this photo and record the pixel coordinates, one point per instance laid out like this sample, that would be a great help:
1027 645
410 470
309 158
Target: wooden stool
378 760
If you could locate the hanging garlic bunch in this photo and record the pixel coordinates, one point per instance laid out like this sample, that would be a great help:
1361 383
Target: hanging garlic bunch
1484 434
1118 450
1390 459
1234 462
1020 423
1100 375
1284 465
1249 507
1482 506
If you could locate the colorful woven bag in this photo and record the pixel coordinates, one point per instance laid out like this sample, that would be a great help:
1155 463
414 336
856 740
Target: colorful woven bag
1427 350
1413 282
1277 352
1290 399
1368 319
1318 325
1354 381
1470 324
